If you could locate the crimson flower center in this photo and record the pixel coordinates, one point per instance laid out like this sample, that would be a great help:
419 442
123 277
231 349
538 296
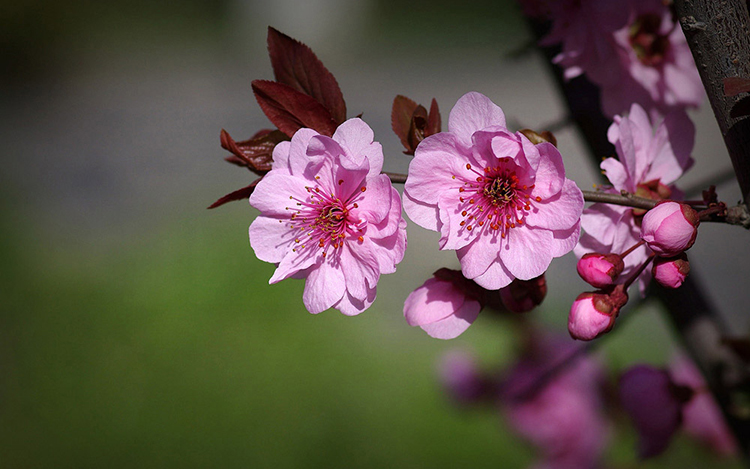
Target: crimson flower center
324 220
650 47
494 200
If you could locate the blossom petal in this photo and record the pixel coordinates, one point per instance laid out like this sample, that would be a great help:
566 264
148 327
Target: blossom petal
374 203
294 263
293 155
526 253
453 235
495 278
271 238
436 162
350 306
356 137
559 212
360 269
454 325
424 215
432 301
550 173
617 174
476 257
563 241
324 287
472 112
276 193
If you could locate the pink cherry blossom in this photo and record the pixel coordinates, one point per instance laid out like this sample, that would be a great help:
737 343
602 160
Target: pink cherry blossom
329 216
670 228
503 203
701 416
461 377
657 66
444 306
654 404
648 163
565 418
633 50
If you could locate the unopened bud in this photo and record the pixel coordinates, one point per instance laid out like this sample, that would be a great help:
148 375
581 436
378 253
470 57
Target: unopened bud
670 228
524 295
594 313
600 270
670 272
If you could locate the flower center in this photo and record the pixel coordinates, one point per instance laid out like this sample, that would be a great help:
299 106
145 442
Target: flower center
494 200
649 46
324 219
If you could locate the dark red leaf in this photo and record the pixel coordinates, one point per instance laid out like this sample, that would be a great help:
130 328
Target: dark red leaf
291 110
416 129
255 153
401 113
736 85
433 121
296 65
239 194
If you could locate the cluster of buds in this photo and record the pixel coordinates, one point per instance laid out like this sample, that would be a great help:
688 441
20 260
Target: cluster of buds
668 229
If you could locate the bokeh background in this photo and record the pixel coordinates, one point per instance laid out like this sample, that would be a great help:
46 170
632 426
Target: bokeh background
137 329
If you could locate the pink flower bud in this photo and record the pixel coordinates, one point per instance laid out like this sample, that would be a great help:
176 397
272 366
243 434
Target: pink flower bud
594 313
600 270
524 295
670 228
670 272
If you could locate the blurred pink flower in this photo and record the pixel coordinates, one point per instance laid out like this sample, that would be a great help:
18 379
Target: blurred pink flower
503 203
654 404
633 50
648 162
658 68
565 419
328 215
701 417
462 378
444 306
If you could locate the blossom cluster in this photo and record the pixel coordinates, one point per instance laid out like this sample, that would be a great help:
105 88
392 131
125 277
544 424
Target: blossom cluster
633 50
501 200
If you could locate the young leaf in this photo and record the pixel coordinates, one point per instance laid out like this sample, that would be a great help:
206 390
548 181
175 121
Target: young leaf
296 65
255 153
433 121
401 113
239 194
291 110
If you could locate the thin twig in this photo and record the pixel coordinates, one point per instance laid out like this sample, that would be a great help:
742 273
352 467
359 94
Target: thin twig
624 198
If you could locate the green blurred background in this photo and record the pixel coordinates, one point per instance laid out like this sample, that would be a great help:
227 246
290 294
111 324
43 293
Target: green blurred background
138 329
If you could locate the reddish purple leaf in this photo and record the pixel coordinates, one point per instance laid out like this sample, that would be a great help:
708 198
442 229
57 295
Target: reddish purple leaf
401 113
433 121
417 127
239 194
255 153
291 110
736 85
296 65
